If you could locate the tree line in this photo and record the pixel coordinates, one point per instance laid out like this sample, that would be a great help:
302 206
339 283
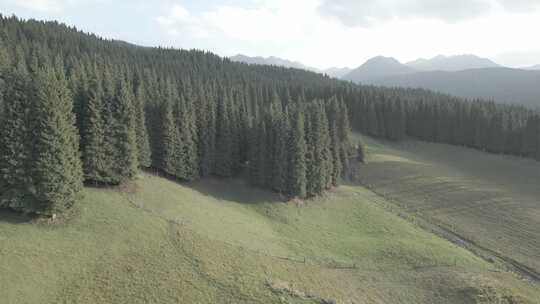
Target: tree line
76 108
397 113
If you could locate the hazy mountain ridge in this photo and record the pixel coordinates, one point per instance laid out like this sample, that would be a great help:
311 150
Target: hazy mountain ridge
466 76
337 72
534 67
378 67
272 60
507 85
452 63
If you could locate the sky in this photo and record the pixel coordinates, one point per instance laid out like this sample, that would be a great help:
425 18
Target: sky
318 33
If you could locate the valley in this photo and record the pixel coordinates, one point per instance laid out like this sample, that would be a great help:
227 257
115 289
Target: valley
489 200
215 241
134 170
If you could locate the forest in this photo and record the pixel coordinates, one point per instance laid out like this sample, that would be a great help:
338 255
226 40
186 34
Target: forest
77 109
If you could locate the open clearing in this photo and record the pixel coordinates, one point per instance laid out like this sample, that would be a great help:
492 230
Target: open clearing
223 242
491 200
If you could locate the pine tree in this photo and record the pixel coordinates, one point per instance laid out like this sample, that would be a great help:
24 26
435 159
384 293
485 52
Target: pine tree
144 154
531 131
373 122
279 167
297 179
335 147
92 133
15 147
224 140
187 133
111 153
537 137
169 137
126 163
259 155
344 130
58 171
325 150
206 133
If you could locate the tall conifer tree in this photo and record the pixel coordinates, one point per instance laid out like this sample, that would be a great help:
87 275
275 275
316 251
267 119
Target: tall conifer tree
224 140
144 154
16 157
58 171
297 180
126 163
92 132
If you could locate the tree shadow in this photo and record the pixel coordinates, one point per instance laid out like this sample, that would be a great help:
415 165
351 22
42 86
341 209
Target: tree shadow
236 190
13 217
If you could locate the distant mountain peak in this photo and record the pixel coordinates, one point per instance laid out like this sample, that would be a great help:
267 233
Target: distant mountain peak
272 60
378 67
276 61
452 63
382 59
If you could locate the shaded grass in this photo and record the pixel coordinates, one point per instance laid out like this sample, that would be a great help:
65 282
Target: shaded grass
222 242
492 200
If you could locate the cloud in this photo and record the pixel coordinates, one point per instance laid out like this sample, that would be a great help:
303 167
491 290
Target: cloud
519 6
296 30
39 5
177 14
521 58
369 12
269 21
47 6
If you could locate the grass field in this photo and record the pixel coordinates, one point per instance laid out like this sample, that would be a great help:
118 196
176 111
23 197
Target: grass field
492 200
223 242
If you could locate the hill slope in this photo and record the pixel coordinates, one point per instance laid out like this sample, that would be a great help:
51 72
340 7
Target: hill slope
452 63
217 242
500 84
490 200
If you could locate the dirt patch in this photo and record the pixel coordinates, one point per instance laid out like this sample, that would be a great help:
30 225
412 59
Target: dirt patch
283 288
130 187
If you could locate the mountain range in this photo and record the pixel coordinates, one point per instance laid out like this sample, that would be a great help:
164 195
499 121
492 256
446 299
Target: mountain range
452 63
332 72
270 61
467 76
534 67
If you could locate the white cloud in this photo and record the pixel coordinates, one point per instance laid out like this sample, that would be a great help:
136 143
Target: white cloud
370 12
263 23
48 6
263 29
40 5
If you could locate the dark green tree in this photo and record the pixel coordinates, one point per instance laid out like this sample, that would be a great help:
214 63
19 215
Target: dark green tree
92 132
297 180
16 127
144 154
169 137
126 163
224 138
57 170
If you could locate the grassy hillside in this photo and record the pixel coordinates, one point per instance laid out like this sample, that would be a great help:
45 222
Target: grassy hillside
491 200
218 242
